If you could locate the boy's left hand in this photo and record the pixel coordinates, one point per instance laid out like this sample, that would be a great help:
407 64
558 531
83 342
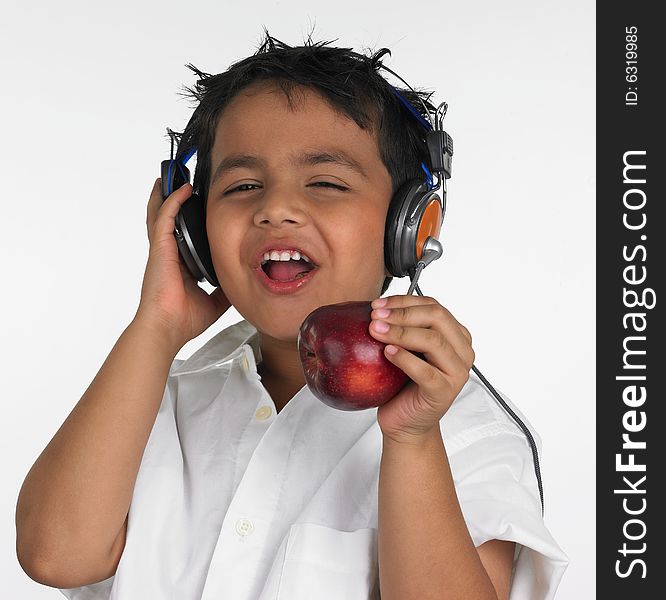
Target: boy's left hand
421 324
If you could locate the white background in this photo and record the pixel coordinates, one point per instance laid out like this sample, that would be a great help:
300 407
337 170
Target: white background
87 93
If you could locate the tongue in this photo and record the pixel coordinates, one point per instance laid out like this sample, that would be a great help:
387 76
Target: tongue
286 270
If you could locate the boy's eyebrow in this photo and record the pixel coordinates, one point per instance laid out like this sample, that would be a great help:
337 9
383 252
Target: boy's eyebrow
311 158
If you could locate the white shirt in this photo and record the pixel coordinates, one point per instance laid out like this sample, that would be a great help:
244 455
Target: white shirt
233 501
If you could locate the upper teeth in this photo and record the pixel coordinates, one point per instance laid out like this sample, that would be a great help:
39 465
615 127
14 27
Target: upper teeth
284 255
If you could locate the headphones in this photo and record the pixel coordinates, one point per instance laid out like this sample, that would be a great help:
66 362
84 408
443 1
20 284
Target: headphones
413 222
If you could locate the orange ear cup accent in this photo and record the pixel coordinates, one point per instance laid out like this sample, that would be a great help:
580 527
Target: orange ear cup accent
430 225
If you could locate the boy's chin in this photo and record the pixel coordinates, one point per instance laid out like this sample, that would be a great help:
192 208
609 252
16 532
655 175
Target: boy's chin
280 324
286 337
284 324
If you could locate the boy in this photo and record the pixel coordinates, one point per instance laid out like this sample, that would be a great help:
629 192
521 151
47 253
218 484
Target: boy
222 476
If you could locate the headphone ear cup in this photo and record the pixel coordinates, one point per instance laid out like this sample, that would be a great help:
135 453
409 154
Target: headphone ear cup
190 225
404 238
398 255
394 227
192 240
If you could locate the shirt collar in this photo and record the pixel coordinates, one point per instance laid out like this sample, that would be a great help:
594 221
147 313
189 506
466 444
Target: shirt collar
223 347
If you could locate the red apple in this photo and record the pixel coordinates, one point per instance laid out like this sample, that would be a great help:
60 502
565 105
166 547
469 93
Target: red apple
344 365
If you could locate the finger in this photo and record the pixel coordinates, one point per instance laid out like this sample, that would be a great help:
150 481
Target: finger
465 332
438 351
154 202
400 300
404 300
433 316
431 381
165 213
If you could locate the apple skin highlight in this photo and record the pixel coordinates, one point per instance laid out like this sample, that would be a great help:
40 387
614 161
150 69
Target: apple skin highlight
344 366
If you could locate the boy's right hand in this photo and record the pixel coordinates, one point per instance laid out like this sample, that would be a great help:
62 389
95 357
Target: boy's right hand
171 299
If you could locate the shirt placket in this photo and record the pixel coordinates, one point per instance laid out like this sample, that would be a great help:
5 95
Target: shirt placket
235 568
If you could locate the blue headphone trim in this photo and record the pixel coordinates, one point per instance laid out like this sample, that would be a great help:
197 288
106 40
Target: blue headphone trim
188 156
426 125
419 117
180 167
181 163
431 185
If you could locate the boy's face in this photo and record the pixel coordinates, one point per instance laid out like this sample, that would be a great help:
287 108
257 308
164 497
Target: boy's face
280 198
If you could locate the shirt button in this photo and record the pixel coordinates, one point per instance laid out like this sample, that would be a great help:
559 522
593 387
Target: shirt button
246 365
244 527
263 413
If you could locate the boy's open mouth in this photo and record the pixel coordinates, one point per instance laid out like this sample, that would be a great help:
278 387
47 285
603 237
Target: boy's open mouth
287 270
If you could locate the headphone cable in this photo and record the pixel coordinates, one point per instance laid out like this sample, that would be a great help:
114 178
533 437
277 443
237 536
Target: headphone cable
522 425
414 275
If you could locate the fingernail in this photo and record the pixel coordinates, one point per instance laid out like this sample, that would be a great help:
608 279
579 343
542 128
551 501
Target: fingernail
381 326
378 302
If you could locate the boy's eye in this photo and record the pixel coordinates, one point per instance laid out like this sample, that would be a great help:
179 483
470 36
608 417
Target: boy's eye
238 188
329 184
252 185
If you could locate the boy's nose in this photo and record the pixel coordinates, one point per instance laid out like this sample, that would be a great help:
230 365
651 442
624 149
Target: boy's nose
280 206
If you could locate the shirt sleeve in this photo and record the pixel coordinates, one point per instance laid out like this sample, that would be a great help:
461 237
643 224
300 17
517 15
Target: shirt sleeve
499 497
102 589
96 591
